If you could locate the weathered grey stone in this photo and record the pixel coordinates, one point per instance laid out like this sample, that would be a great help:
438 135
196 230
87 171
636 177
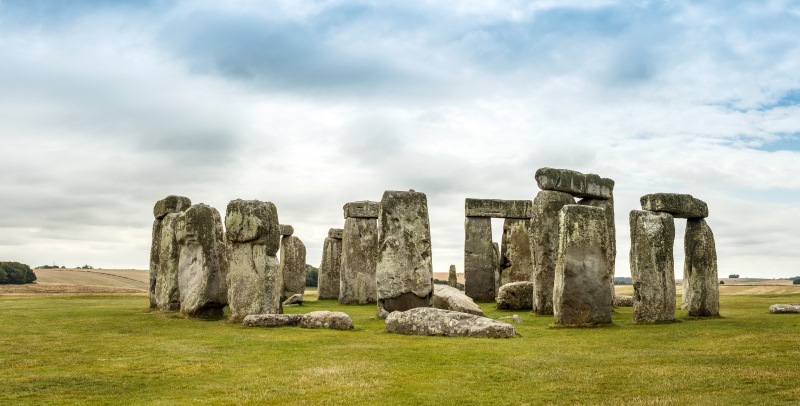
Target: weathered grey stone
495 268
429 321
285 230
700 279
330 269
679 205
203 263
452 278
326 319
293 266
167 294
514 317
255 222
575 183
608 206
155 253
652 266
296 299
170 204
335 233
546 207
516 258
623 301
272 320
515 296
784 308
520 209
479 262
405 270
357 283
581 294
450 298
255 281
362 209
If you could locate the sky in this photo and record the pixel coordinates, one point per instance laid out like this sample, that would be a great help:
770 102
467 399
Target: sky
107 107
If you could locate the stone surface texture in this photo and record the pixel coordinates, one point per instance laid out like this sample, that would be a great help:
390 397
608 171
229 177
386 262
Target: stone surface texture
452 277
296 299
623 301
679 205
575 183
582 293
516 256
784 308
319 319
496 208
357 283
167 295
293 266
404 271
652 266
285 229
611 228
335 233
362 209
479 261
700 279
427 321
515 296
330 269
155 253
171 204
255 281
546 207
203 263
450 298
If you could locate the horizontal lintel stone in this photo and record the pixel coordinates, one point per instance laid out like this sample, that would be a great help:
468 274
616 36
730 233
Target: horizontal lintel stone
335 233
362 209
575 183
679 205
498 208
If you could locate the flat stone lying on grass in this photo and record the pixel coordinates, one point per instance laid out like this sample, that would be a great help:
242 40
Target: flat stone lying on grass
428 321
515 296
574 183
784 308
296 299
679 205
623 301
319 319
450 298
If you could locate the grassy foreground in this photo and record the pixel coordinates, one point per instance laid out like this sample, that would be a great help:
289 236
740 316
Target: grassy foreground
113 350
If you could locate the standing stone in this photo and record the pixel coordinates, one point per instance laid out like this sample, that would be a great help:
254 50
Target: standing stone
581 295
575 183
608 206
405 269
452 278
359 261
479 262
170 204
293 267
546 207
652 266
167 294
255 282
203 263
329 268
516 259
496 268
700 279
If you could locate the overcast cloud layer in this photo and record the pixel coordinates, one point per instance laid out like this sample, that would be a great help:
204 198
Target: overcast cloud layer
106 107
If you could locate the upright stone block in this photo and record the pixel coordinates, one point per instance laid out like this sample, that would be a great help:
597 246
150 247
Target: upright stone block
581 295
359 261
519 209
652 266
608 206
293 267
516 257
405 269
362 209
330 268
170 204
700 278
167 294
452 278
679 205
255 281
479 259
203 263
546 207
575 183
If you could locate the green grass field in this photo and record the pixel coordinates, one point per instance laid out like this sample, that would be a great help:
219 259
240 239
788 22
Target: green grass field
113 350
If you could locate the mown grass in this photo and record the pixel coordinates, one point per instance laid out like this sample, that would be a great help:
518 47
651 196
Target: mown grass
113 350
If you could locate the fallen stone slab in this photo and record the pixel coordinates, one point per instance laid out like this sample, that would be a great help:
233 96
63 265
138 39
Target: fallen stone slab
575 183
319 319
285 230
450 298
518 209
296 299
784 308
428 321
623 301
271 320
515 296
362 209
679 205
515 318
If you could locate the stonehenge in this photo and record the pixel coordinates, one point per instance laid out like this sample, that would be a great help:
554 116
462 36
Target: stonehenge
166 256
329 268
484 265
359 253
404 270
